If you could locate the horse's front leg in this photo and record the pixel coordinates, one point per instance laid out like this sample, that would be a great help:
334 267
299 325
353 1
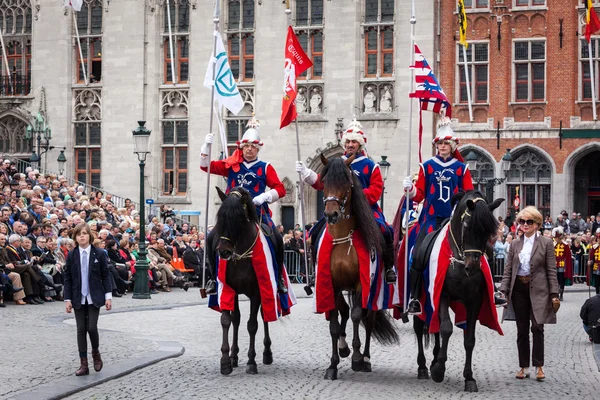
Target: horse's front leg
438 369
358 362
419 328
252 329
267 353
334 330
472 314
369 330
226 367
235 319
344 309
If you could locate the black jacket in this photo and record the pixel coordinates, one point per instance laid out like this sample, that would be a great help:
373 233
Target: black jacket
99 282
590 311
192 259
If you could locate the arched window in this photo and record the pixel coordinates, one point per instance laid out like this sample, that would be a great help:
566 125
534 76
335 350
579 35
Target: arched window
483 173
531 176
15 23
12 137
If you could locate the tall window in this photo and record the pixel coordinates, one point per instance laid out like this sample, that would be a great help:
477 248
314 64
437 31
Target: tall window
15 22
175 157
89 24
309 30
584 59
529 63
477 65
379 38
476 4
240 39
484 171
529 3
235 130
180 32
532 174
87 127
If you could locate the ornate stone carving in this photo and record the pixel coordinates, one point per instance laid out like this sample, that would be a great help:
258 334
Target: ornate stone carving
377 98
290 189
12 136
311 97
315 101
174 104
370 100
87 104
301 102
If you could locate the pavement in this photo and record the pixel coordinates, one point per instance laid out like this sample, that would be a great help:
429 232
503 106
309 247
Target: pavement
301 350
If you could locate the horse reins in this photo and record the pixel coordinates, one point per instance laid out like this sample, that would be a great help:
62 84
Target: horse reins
248 253
341 202
344 239
461 252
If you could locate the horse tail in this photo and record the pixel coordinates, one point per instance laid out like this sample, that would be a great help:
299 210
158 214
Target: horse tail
384 329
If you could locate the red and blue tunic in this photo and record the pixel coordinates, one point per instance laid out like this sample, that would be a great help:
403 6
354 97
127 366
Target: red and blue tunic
255 177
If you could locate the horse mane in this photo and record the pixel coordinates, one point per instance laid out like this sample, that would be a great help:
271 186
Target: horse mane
335 176
234 213
482 223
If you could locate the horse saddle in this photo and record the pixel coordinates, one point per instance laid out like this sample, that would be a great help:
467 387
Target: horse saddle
423 249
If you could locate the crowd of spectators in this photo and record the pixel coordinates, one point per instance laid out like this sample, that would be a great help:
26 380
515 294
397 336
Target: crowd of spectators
37 215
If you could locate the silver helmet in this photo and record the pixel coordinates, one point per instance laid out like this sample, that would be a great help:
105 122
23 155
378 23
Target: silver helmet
251 136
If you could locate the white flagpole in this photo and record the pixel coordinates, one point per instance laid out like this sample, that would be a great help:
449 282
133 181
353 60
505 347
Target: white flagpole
212 104
85 79
6 62
173 74
413 21
464 50
592 80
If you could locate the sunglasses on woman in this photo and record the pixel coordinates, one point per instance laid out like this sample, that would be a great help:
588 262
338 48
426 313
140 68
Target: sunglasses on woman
526 221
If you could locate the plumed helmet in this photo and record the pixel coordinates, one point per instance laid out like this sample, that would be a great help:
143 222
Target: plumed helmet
251 136
558 231
354 131
445 132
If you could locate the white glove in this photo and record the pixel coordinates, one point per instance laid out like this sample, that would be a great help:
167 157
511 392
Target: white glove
208 140
308 175
407 183
261 198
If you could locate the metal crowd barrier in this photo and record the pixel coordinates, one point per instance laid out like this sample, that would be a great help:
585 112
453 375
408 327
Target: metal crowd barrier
294 265
579 269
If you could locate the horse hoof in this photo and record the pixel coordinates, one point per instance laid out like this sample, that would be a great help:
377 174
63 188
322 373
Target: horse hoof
422 373
234 362
344 352
331 374
268 358
471 386
226 369
367 367
358 365
437 373
251 369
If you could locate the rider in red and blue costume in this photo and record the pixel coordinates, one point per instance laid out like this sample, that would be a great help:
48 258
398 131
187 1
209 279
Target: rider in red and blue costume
243 168
439 179
369 175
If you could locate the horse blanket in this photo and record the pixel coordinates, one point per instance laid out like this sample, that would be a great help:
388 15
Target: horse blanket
434 277
376 294
264 262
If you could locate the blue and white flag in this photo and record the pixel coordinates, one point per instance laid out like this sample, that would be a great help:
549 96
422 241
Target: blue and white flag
226 90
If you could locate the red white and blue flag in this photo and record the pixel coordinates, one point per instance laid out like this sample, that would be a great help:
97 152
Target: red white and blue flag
74 4
429 92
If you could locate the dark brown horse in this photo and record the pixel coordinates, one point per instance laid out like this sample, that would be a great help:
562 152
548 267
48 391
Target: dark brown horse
234 237
347 210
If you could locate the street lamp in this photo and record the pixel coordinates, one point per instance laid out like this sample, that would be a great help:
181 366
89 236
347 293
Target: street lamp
506 162
490 183
34 160
384 166
339 130
61 162
141 147
39 128
471 160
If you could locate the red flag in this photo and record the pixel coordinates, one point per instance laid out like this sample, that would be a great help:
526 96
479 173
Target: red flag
592 23
296 62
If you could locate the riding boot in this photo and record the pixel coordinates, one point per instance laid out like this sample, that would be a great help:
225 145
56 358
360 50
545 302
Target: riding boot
414 306
281 287
388 262
83 367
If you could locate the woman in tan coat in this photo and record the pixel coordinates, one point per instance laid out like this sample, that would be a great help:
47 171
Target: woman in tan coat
531 287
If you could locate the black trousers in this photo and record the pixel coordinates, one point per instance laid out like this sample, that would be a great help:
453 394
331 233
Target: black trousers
521 303
86 318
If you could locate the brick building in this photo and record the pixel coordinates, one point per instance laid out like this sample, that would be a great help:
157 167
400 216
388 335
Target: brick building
530 86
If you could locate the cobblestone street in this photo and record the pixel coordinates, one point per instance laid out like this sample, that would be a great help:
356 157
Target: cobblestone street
301 348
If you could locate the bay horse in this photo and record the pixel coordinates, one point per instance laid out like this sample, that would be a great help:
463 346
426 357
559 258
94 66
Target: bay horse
235 235
346 211
472 225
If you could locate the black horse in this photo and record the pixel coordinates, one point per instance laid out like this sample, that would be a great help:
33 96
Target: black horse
236 233
472 225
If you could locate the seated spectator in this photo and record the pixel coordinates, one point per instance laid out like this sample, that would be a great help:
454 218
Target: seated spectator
590 315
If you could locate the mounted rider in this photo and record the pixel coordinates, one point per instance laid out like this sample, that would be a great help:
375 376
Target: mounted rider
243 168
369 175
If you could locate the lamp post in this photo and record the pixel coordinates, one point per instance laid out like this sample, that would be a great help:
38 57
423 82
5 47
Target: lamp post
471 160
61 161
34 160
141 147
339 130
384 165
40 129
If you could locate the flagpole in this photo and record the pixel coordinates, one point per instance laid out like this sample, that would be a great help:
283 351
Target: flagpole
464 49
85 79
592 80
413 21
6 62
173 75
210 127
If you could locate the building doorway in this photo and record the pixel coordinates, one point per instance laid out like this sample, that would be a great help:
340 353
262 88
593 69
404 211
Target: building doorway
287 218
586 198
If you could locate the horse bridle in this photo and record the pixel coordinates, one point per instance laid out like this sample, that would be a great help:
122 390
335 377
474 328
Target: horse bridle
461 251
248 253
341 202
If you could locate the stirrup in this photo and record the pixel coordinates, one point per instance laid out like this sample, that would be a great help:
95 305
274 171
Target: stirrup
211 288
390 276
414 307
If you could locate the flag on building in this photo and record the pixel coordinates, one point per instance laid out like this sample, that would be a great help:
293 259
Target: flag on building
74 4
296 62
429 92
592 23
462 23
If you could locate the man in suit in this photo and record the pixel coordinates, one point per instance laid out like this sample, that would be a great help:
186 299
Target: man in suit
32 281
87 289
